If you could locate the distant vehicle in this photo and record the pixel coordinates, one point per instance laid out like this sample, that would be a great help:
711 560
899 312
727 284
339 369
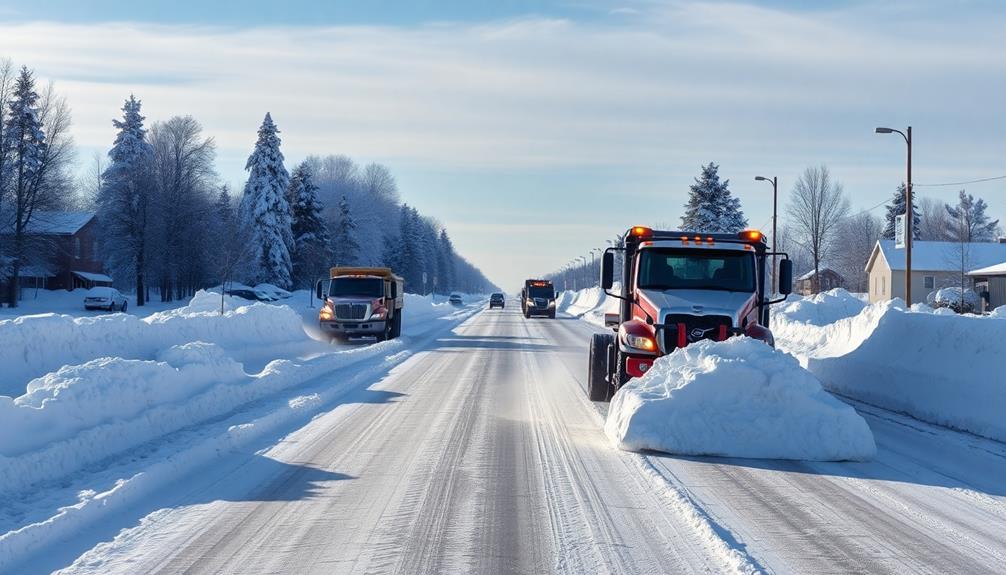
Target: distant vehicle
361 302
538 298
251 294
682 288
497 300
277 293
106 298
456 299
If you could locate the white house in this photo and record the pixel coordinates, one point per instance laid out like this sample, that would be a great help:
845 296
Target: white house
934 265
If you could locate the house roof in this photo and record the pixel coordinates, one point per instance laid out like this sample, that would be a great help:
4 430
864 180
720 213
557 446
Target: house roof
996 270
939 256
46 223
820 270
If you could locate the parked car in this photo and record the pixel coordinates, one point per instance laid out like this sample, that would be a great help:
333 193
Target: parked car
105 298
251 294
456 299
497 300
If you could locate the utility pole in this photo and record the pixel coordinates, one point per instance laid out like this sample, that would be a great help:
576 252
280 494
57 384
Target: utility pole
909 232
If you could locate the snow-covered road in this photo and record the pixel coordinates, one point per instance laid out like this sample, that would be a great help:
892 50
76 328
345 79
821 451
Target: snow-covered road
481 454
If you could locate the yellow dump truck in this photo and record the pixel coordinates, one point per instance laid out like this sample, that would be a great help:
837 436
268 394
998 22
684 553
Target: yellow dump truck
361 302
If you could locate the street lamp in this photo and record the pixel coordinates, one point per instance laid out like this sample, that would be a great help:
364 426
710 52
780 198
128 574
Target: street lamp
584 260
596 273
908 211
775 215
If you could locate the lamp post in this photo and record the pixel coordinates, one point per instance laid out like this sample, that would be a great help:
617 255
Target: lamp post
908 211
775 216
584 265
596 272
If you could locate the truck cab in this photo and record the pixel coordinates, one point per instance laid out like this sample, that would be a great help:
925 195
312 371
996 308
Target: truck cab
680 288
538 298
361 302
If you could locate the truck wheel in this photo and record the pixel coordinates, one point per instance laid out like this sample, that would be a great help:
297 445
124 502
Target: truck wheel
396 325
620 377
598 388
527 314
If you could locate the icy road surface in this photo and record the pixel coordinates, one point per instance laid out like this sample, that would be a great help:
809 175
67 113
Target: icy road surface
480 454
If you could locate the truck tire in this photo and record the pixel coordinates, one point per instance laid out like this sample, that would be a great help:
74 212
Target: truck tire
527 313
598 387
396 325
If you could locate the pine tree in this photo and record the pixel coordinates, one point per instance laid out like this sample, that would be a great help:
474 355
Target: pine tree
124 198
312 246
711 207
347 249
25 148
971 224
446 263
266 212
897 208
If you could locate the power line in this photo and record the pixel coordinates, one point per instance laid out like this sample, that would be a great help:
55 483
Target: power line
959 183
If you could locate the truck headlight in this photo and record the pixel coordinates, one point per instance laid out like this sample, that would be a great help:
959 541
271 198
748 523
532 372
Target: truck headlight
378 315
326 313
640 342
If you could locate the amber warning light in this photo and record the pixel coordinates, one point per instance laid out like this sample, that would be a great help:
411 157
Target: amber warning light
751 235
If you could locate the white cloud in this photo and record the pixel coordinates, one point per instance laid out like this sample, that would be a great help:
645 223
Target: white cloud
652 96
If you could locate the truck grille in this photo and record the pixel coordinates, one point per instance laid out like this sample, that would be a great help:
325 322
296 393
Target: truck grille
697 328
353 311
540 302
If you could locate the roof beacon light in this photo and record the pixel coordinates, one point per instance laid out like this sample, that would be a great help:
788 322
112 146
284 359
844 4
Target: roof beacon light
751 235
641 232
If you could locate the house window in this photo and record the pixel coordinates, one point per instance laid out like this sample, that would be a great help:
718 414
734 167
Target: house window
929 282
76 248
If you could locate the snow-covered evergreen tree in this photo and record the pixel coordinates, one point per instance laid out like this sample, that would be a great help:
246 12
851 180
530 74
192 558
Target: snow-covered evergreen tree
347 249
897 208
124 199
970 223
25 149
266 212
312 246
446 263
711 208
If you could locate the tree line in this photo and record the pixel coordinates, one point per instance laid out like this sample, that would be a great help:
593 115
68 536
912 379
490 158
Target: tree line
167 227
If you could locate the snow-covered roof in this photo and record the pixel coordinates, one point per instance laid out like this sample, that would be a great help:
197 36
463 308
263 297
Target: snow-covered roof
92 277
57 223
943 256
820 270
996 270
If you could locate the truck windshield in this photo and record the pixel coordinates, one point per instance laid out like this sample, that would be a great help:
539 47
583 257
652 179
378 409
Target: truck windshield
369 287
544 292
726 270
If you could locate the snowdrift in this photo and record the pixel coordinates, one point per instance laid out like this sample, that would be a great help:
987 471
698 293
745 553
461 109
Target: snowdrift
32 346
938 366
820 309
737 398
588 304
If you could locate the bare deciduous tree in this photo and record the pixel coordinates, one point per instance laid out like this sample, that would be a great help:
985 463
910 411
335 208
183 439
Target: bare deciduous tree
934 222
817 206
856 236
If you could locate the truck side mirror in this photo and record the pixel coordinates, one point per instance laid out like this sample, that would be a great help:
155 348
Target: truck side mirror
317 289
786 277
607 270
394 290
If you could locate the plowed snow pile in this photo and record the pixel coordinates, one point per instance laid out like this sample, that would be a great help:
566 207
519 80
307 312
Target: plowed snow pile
737 398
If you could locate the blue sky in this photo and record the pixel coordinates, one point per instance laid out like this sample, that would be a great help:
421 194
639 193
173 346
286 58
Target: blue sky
536 131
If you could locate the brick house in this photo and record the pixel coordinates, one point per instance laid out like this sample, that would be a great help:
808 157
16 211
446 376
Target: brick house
62 252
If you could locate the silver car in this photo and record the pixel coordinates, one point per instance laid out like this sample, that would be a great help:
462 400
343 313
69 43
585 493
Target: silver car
105 298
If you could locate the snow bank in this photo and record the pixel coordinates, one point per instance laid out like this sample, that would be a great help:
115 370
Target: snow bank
820 309
32 346
589 304
737 398
940 367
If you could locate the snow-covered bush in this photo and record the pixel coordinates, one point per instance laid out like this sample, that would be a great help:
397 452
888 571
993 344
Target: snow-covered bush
952 297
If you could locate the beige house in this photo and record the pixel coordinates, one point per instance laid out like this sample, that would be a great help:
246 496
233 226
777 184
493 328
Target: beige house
935 265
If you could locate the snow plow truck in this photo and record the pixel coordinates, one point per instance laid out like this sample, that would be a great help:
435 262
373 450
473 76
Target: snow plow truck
680 288
361 302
